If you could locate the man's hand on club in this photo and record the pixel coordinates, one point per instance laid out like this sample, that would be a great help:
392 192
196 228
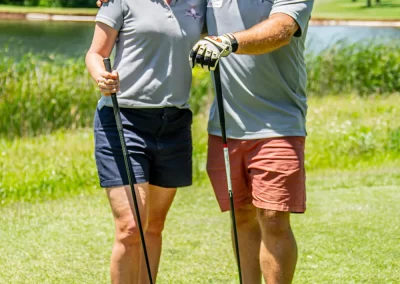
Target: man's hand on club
100 1
207 52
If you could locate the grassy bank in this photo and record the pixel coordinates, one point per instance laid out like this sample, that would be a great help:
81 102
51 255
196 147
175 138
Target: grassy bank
356 10
48 10
360 68
58 93
345 132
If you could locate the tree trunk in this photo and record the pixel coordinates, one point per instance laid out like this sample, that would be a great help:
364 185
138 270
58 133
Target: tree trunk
368 3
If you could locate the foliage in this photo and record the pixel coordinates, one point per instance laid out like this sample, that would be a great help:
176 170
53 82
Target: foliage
43 93
345 132
51 3
360 68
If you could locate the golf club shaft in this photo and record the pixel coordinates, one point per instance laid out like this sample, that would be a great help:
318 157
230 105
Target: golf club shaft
131 177
221 114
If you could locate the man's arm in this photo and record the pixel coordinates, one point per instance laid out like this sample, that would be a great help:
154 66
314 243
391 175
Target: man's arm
288 18
267 36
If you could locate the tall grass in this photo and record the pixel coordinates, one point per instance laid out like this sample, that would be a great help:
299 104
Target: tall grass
40 94
345 133
360 68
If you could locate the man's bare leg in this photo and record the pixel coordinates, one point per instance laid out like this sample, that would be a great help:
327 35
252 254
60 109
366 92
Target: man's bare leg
278 255
249 236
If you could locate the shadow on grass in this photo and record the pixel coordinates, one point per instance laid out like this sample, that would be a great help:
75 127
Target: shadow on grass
382 6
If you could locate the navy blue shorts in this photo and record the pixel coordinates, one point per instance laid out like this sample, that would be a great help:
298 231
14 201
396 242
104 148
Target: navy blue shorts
159 144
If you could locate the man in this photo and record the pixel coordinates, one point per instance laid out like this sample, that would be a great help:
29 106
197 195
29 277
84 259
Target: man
263 82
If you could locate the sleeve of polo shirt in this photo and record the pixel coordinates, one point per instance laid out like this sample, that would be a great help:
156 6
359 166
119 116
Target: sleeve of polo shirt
299 10
111 14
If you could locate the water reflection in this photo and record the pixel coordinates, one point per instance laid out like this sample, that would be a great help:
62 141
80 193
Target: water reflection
69 38
73 39
321 37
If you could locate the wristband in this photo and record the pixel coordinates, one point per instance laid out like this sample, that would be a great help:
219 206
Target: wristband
234 42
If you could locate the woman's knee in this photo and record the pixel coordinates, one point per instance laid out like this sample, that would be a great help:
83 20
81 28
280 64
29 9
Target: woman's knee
128 233
155 227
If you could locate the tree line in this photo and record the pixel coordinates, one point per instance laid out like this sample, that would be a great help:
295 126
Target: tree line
369 2
81 3
51 3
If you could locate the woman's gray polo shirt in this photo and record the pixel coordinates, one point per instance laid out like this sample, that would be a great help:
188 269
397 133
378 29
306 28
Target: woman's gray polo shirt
265 95
152 49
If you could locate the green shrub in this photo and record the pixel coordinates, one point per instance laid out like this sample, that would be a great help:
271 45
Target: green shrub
357 133
39 94
360 68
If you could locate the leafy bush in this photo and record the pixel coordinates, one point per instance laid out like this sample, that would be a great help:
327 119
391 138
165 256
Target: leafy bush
51 3
360 68
40 94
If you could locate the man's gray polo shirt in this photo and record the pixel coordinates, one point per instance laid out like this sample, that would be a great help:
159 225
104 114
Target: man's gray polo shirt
151 51
265 95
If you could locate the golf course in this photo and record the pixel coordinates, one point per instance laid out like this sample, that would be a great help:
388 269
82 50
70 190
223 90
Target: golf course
56 224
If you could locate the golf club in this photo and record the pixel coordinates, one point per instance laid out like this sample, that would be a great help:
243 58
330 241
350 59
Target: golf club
128 167
220 104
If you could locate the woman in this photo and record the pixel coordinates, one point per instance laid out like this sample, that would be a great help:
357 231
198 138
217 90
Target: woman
152 81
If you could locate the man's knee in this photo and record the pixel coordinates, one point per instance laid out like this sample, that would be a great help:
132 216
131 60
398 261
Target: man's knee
246 216
273 223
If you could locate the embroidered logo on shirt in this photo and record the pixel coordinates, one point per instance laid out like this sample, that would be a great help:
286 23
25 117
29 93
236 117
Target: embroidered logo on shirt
214 3
191 11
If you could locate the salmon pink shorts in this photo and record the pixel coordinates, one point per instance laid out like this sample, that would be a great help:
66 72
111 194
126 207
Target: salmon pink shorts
269 173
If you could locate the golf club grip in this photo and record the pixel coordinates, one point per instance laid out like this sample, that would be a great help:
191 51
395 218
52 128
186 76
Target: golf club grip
128 166
107 65
220 102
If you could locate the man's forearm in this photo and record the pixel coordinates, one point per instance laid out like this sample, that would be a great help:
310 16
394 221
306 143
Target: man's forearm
267 36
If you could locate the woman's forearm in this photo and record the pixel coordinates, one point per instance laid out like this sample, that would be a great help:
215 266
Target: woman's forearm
95 65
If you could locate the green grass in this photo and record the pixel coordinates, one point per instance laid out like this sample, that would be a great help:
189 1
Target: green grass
355 68
49 10
346 9
345 132
349 234
57 92
350 132
62 164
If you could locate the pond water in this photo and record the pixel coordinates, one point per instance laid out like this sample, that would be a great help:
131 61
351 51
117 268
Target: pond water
73 39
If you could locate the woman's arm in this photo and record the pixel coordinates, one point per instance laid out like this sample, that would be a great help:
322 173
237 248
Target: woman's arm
103 42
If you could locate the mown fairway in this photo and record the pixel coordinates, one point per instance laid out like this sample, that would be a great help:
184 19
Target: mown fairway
356 10
350 234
